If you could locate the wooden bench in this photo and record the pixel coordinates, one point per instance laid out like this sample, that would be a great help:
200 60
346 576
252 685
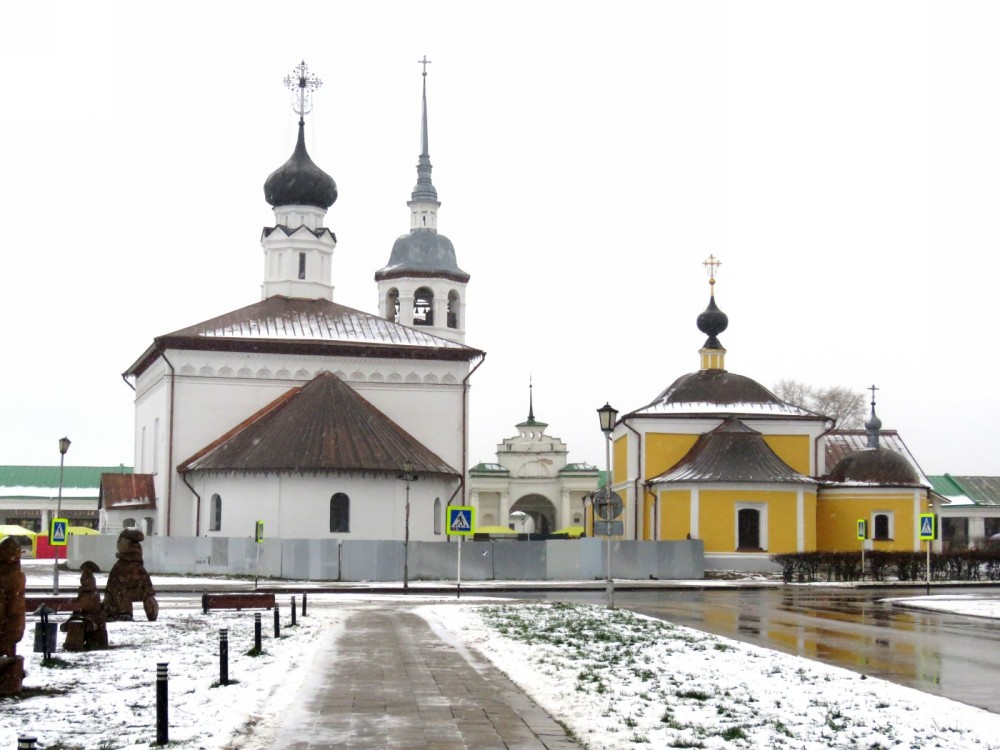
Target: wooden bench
255 600
56 603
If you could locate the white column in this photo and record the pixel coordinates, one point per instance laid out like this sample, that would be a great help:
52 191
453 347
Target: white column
695 522
406 308
504 509
800 511
565 512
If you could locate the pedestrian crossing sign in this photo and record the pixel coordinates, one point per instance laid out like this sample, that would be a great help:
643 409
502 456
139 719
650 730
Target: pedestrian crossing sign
461 520
862 528
928 526
58 533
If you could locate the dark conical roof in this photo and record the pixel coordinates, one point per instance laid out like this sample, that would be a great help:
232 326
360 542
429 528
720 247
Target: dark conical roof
875 466
299 182
732 452
324 426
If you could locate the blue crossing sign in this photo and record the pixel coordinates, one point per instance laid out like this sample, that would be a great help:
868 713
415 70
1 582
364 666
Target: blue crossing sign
928 526
58 533
461 520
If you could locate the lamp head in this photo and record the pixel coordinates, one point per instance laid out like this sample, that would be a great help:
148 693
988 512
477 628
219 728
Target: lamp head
64 445
608 416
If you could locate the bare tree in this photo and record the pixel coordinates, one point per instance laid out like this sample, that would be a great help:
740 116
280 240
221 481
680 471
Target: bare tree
845 406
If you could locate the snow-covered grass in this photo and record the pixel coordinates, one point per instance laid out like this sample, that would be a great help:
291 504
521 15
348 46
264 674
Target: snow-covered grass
107 699
619 680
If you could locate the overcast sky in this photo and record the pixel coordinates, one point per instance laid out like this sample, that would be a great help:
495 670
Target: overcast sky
841 159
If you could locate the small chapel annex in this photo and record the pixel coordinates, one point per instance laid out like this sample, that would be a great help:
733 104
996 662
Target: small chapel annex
716 456
300 412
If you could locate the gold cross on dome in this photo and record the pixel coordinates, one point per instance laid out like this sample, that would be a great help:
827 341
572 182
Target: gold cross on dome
425 62
712 265
302 83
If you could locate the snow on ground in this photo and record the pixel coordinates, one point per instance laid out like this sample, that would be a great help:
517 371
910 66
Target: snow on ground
959 604
616 679
620 680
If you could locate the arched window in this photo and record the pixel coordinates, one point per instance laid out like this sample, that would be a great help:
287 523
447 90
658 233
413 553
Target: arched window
882 527
453 309
302 265
147 526
215 524
340 513
128 523
423 307
437 515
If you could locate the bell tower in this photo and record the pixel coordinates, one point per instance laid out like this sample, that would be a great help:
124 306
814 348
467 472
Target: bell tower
422 284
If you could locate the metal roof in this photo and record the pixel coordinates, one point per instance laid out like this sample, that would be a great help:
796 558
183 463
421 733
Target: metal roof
980 490
306 326
841 443
718 392
43 481
732 452
324 426
127 492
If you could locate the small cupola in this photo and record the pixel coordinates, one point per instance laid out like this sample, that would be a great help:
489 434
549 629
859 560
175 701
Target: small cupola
712 322
298 249
874 464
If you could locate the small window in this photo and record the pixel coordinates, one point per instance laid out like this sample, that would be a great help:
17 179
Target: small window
128 523
147 526
216 523
340 513
452 309
437 515
302 265
883 530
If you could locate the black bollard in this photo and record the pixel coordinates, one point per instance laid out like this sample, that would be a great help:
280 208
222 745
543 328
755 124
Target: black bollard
256 632
224 656
305 602
26 743
161 703
277 622
293 611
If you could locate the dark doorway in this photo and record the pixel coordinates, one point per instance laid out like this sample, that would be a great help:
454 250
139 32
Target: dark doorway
748 529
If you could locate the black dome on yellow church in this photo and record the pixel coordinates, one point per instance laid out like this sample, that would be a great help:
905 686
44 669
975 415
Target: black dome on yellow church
299 182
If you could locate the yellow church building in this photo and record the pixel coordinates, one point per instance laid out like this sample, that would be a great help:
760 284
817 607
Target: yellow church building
716 456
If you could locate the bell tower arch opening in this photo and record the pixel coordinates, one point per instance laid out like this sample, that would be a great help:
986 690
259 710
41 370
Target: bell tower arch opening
541 514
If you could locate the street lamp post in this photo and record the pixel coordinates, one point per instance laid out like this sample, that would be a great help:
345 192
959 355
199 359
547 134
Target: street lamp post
63 447
608 416
407 476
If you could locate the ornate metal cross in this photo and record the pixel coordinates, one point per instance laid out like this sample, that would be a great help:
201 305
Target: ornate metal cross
425 62
302 83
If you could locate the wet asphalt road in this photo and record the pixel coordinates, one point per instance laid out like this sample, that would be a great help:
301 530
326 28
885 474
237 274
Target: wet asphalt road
953 656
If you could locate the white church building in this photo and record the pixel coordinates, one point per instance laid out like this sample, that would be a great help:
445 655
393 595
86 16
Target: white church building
300 412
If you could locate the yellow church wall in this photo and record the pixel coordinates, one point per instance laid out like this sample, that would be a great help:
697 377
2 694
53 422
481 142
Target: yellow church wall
794 450
837 517
717 518
663 450
675 514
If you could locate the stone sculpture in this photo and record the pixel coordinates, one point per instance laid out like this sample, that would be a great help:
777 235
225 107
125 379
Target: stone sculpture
128 581
11 617
87 628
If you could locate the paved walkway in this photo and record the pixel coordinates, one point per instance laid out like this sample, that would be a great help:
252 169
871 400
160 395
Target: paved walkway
392 683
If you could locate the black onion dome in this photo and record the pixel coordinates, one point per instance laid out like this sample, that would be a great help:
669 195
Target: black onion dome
716 387
875 466
422 252
712 322
299 182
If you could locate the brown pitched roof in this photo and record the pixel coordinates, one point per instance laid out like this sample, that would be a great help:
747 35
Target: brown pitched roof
324 426
306 326
732 452
127 492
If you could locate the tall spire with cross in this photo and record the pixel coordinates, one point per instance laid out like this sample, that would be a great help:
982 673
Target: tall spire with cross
424 189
